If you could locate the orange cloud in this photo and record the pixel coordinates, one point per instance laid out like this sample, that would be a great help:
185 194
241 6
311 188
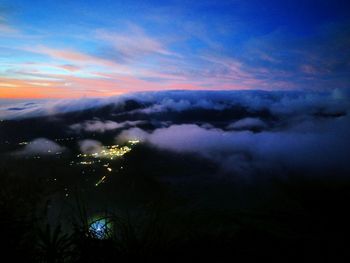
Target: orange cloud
75 87
12 88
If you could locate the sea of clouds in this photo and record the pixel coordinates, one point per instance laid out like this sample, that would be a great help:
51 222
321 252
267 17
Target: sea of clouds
312 133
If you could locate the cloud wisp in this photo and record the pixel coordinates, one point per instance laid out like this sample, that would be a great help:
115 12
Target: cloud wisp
102 126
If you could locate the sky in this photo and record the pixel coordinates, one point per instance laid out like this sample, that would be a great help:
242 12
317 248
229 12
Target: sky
86 48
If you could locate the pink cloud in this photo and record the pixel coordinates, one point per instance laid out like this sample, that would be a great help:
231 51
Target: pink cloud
76 57
135 44
71 68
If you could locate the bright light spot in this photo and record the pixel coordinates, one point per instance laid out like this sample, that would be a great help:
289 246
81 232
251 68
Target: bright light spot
100 181
101 227
86 163
133 142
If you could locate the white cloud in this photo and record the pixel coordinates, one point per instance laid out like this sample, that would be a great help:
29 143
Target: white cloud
41 146
102 126
132 134
323 148
90 146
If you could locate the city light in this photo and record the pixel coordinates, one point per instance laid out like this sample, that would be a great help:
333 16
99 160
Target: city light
109 152
100 181
133 142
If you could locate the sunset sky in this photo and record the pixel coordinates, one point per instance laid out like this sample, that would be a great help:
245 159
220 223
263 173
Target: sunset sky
90 48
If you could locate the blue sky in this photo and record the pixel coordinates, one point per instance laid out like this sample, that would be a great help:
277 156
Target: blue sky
51 49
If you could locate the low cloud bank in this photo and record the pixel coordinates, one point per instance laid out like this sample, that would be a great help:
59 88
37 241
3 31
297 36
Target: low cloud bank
90 146
309 146
41 146
278 102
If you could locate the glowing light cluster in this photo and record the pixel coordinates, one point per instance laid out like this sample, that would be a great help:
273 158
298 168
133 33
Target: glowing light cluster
110 152
106 152
133 142
114 151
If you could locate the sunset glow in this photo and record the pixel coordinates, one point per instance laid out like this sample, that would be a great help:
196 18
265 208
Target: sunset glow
74 49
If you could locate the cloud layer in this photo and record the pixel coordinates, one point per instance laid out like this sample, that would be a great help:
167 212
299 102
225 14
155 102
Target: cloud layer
311 146
277 102
245 132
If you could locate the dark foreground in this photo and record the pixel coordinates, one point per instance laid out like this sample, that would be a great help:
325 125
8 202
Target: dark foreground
156 220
